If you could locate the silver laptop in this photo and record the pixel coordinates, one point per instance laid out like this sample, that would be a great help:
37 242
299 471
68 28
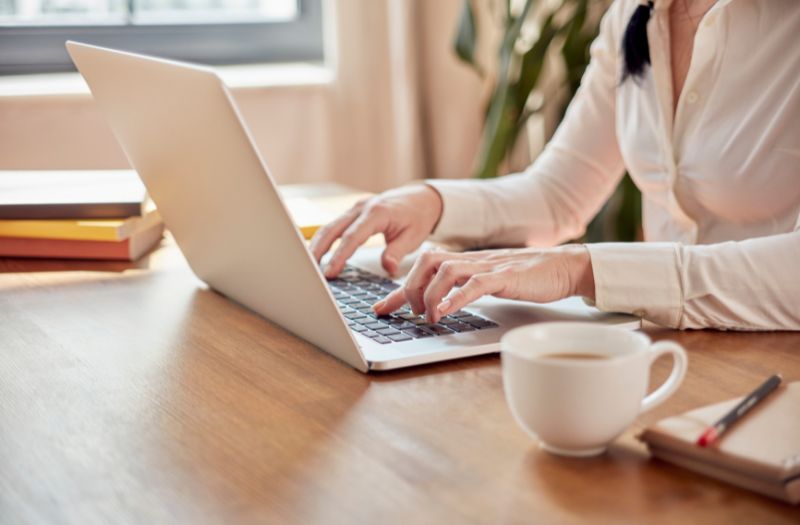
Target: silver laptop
183 133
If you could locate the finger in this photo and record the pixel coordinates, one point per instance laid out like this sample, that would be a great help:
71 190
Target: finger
353 237
421 273
476 287
390 303
325 236
397 248
448 275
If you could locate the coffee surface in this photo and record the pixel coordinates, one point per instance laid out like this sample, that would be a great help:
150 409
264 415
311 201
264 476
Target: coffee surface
583 356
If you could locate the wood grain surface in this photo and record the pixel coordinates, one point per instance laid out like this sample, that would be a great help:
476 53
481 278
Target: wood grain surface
129 393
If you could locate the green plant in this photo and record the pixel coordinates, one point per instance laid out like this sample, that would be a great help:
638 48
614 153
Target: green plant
565 31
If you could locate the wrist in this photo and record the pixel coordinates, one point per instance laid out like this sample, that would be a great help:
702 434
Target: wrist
437 206
581 272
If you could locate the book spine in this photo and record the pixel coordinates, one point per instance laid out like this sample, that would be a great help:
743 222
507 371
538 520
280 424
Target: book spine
76 230
64 249
99 210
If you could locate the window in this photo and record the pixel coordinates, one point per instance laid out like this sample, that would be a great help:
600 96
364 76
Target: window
33 32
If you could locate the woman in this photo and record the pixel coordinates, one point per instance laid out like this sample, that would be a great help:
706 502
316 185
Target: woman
701 105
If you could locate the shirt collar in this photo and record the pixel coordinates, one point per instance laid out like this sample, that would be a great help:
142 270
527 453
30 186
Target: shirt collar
664 4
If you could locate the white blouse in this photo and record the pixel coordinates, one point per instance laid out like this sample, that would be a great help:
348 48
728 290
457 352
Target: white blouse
720 181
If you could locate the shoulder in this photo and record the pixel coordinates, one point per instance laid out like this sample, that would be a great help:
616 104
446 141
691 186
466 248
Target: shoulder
617 16
613 23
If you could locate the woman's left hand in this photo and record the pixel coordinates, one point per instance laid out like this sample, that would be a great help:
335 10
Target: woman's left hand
528 274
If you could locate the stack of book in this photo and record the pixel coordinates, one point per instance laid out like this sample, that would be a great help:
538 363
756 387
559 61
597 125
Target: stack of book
76 215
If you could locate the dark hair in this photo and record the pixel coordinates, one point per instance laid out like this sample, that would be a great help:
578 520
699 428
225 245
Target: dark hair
635 48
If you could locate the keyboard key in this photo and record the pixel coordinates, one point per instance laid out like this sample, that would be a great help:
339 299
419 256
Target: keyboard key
461 313
461 327
436 329
483 323
448 320
417 333
399 337
387 331
358 328
354 316
382 340
375 325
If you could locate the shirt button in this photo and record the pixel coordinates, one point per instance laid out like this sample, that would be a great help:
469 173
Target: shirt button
691 97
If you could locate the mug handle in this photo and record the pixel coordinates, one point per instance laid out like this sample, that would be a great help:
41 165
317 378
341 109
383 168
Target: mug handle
680 361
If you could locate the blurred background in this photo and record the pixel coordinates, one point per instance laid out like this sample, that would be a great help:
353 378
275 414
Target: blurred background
367 93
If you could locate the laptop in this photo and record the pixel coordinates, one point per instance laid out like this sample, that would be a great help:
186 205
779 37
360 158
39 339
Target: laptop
182 132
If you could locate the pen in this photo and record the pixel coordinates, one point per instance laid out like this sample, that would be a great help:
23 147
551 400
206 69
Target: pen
712 433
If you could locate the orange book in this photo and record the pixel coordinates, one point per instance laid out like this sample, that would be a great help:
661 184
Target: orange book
128 249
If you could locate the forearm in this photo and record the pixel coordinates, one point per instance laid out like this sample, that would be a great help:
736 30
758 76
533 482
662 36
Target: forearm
746 285
549 204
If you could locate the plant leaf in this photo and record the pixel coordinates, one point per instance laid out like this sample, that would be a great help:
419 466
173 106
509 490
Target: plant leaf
500 130
467 36
533 60
499 133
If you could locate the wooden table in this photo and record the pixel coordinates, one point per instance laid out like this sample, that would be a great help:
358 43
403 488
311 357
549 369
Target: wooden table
129 393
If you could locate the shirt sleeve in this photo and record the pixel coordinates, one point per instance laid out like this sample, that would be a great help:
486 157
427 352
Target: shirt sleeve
739 285
554 199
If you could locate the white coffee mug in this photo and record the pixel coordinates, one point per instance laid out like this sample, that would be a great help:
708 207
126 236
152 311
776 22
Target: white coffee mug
575 406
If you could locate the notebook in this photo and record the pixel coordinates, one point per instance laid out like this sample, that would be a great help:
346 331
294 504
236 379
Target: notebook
760 453
312 213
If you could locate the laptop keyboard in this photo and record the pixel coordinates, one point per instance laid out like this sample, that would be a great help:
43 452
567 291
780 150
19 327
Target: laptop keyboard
356 290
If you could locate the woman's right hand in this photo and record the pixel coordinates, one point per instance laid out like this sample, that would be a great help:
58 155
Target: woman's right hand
405 216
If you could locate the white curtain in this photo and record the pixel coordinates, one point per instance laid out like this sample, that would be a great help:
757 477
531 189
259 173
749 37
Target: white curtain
403 107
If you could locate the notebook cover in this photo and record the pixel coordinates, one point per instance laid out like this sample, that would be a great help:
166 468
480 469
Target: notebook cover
309 214
78 229
129 249
788 491
764 445
89 194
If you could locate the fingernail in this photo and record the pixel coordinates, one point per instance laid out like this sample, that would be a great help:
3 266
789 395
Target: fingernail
443 306
379 305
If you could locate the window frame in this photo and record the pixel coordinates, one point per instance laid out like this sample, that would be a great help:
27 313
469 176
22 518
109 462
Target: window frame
40 48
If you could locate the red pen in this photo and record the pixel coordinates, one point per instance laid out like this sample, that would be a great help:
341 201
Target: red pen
713 433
